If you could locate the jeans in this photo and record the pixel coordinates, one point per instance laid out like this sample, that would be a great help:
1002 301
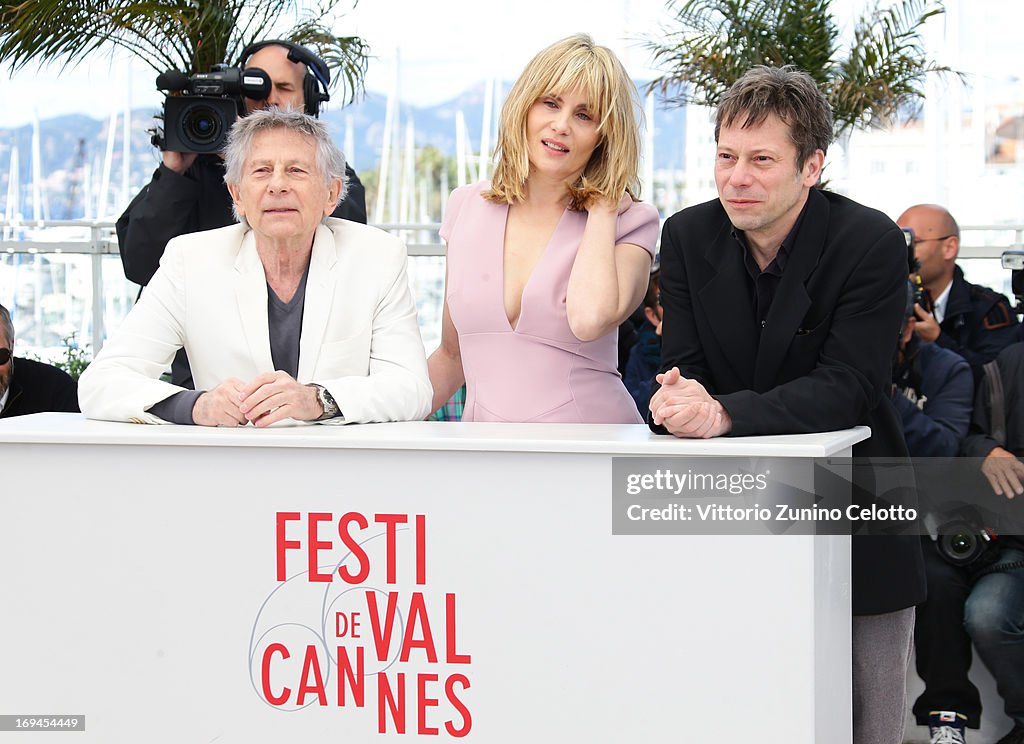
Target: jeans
989 612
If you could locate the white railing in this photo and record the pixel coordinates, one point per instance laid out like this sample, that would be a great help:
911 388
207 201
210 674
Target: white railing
96 239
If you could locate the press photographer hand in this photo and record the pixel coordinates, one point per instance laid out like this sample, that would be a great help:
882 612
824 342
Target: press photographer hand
1005 473
179 162
926 328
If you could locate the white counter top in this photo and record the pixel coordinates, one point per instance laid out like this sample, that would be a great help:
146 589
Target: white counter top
624 439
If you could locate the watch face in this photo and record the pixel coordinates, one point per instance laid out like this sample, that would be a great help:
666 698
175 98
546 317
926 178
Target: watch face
327 402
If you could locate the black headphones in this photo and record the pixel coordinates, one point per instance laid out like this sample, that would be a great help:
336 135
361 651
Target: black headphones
318 76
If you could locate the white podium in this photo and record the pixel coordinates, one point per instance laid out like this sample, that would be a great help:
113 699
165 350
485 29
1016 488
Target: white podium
391 581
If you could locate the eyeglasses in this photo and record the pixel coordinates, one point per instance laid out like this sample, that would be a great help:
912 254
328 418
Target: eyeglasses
912 241
918 241
5 355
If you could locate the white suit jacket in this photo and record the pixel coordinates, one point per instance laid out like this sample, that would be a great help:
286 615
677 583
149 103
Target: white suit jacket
360 338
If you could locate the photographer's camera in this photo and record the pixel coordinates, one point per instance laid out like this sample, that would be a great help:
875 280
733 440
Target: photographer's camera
962 543
922 296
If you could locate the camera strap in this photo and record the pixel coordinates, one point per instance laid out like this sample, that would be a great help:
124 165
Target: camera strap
994 566
997 402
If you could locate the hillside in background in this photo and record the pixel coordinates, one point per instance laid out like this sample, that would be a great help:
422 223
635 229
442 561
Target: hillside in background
73 149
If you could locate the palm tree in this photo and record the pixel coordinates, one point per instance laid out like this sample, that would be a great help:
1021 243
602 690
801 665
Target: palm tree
880 77
186 35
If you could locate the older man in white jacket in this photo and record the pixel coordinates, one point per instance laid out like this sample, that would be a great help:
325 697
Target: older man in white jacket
289 315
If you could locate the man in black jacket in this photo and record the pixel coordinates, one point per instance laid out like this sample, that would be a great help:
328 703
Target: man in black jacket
782 310
188 194
38 387
984 607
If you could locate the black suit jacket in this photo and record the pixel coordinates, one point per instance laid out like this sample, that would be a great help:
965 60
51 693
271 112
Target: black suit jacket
37 387
823 360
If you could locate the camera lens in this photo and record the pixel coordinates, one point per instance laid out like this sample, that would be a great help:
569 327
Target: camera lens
202 125
198 123
961 544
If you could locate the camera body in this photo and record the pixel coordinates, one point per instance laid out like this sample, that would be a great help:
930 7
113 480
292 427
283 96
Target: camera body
922 296
200 109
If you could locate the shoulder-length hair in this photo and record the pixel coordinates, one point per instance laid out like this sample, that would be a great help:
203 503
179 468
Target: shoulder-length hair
567 65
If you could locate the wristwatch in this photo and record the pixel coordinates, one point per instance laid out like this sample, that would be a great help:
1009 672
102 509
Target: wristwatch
327 402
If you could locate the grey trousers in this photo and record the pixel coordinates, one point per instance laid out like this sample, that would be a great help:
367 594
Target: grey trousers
881 654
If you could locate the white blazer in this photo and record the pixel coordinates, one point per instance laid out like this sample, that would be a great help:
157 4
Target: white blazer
360 338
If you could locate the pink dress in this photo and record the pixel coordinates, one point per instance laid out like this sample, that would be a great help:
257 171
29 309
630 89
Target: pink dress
539 371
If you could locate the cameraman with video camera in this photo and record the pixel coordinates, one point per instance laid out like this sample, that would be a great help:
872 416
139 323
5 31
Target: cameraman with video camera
187 192
976 589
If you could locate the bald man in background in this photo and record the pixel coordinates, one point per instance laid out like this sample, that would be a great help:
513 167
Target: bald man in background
974 321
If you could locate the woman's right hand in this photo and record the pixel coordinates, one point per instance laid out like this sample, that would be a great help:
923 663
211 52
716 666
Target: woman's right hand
611 206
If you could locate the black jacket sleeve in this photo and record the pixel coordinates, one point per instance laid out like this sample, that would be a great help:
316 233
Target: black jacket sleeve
353 206
168 206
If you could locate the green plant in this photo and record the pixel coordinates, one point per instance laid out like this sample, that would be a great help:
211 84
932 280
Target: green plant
877 78
76 359
187 35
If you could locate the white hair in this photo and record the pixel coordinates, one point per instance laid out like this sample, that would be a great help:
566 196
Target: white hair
330 160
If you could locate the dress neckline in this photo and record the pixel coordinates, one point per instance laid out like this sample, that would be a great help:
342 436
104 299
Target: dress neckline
533 272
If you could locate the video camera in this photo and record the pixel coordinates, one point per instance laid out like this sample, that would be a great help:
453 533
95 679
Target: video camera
200 109
922 296
1013 260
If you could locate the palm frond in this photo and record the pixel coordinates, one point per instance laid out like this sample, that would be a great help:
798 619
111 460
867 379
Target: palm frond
714 42
187 35
711 43
347 56
884 74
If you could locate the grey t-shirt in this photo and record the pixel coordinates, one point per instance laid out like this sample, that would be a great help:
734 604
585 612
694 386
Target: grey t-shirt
284 320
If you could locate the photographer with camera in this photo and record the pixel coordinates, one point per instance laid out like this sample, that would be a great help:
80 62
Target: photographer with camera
978 597
932 392
187 193
974 321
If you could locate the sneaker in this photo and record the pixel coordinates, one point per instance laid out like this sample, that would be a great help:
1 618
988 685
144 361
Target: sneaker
1014 737
946 727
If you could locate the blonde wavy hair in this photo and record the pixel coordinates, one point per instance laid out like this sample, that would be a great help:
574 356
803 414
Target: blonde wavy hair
575 63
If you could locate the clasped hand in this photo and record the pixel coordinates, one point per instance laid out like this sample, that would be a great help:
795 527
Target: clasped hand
686 409
266 399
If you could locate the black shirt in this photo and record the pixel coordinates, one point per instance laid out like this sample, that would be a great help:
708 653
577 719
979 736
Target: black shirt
764 284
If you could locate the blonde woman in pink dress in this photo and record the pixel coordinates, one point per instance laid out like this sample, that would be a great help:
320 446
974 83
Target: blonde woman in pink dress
548 259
